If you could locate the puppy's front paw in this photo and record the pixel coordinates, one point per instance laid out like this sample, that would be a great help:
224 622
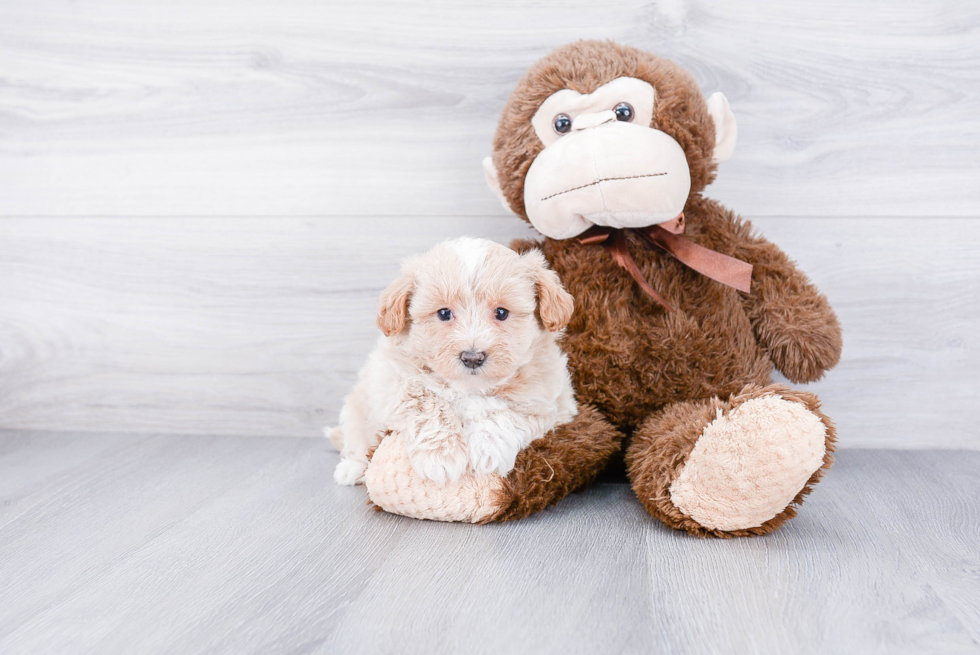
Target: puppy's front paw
489 452
442 463
349 472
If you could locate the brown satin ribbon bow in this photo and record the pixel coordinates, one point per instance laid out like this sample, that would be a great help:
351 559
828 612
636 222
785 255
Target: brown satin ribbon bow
666 236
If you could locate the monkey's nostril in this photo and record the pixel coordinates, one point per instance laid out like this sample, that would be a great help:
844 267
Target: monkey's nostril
471 359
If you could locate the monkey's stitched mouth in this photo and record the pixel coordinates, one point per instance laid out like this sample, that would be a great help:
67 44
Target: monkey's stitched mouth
604 179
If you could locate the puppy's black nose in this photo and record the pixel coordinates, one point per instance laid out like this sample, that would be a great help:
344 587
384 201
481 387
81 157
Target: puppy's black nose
472 359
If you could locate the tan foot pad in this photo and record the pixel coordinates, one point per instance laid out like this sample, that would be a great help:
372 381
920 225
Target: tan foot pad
748 465
393 485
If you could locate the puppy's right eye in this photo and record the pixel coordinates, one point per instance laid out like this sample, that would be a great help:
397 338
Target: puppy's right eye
444 314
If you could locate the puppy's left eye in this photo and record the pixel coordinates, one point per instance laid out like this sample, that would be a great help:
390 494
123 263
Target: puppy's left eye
501 314
444 314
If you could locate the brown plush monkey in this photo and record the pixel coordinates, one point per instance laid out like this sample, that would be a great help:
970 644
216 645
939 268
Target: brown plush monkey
606 149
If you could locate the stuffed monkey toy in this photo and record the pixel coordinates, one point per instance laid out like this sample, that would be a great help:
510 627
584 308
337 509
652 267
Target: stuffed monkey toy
681 310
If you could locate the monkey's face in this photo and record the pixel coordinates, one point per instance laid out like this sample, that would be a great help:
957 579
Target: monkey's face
601 150
603 164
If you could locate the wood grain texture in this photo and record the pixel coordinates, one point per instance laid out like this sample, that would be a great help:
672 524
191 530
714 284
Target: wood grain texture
259 326
229 544
229 326
212 108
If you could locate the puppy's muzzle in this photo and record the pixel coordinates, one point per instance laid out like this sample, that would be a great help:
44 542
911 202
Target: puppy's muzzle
471 359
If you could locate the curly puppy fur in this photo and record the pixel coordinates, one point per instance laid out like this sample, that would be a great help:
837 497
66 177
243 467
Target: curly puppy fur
463 386
657 375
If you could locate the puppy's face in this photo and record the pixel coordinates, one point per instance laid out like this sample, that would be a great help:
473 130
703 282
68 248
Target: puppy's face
472 310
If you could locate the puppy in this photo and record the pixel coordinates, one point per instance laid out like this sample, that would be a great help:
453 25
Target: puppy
468 371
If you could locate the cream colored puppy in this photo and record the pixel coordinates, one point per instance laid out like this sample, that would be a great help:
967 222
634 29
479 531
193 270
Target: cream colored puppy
468 371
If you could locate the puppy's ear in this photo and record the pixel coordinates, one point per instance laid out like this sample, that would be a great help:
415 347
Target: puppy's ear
555 305
393 305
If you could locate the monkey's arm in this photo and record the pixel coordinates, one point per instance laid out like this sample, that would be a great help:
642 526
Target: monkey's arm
564 460
792 320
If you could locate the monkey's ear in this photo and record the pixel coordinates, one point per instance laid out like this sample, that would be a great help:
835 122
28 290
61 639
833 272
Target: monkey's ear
555 305
494 182
393 306
726 129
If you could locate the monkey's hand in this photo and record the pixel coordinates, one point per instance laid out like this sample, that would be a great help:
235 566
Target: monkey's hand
792 320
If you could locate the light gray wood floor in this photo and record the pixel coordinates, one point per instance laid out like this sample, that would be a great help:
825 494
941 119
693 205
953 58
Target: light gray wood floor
112 543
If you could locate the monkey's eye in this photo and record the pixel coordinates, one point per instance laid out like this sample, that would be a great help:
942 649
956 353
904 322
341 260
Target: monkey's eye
444 314
563 123
501 314
624 112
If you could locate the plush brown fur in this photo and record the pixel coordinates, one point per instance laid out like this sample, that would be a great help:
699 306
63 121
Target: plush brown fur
560 463
645 369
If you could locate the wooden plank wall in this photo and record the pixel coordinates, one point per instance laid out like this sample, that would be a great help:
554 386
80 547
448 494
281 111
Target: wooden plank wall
200 201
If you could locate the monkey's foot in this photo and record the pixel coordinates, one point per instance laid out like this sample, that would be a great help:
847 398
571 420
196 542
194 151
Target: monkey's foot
731 468
394 486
